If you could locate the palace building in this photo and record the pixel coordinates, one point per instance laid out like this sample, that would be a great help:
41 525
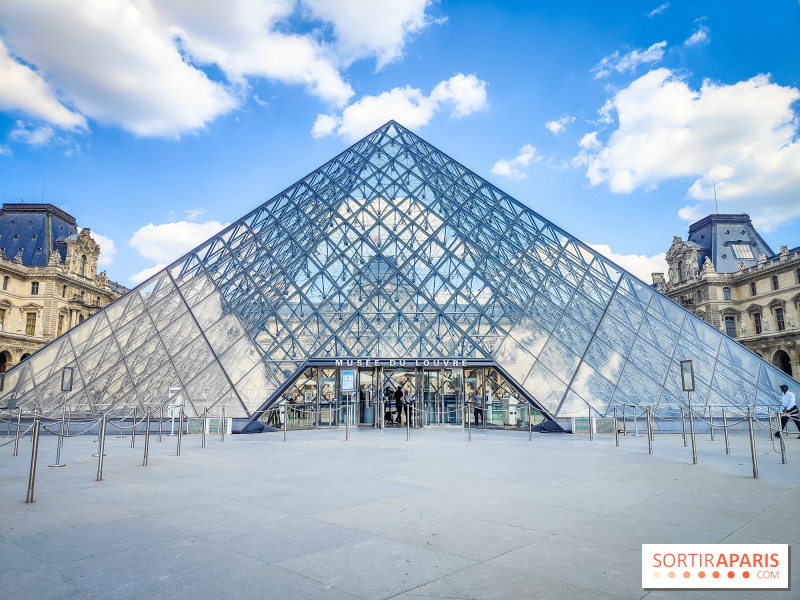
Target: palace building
728 276
392 269
49 277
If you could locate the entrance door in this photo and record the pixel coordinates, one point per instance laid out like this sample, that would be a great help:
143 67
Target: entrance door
403 380
327 398
367 386
453 396
432 398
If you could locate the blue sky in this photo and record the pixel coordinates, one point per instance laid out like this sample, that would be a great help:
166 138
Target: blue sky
156 123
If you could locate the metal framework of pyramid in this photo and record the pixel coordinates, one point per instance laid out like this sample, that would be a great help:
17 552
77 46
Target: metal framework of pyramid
392 249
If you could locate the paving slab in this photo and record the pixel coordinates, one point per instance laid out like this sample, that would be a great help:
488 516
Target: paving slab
380 517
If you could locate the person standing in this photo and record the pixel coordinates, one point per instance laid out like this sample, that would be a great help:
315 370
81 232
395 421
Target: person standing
477 405
398 403
790 410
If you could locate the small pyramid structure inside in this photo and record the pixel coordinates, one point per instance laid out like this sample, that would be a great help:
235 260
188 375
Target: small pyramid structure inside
392 249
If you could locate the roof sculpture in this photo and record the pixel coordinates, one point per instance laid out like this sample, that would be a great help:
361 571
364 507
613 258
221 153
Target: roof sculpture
392 249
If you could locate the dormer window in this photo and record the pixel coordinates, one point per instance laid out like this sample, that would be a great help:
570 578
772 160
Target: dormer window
742 251
681 271
82 268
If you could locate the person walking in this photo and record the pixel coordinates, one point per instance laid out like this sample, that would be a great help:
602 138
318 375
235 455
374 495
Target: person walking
790 410
477 405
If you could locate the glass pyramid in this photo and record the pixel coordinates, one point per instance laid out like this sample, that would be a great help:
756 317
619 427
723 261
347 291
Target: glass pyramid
392 249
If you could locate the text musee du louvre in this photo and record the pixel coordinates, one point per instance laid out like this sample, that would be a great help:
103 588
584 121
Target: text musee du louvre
397 362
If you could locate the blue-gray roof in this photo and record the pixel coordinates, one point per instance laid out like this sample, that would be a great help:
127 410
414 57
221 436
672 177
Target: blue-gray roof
34 228
722 237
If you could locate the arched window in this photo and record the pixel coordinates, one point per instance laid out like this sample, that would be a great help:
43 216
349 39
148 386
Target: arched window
681 271
82 270
726 293
80 318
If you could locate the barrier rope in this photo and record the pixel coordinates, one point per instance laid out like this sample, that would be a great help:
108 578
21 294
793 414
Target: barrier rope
17 437
68 435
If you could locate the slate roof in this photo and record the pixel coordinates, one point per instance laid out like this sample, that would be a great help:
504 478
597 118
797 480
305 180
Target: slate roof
34 228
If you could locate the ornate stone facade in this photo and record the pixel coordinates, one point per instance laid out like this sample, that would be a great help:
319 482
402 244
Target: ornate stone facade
51 283
757 303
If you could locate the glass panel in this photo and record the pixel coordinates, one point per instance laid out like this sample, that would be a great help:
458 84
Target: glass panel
182 331
206 389
546 388
53 357
193 359
559 360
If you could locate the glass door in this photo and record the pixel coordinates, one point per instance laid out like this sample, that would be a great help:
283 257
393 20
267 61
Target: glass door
453 396
327 398
366 406
432 399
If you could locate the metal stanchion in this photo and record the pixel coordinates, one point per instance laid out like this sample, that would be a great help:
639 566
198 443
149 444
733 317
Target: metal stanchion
683 427
61 429
347 423
649 431
101 449
160 421
752 443
711 422
222 429
205 421
180 430
34 455
16 439
591 429
469 424
691 428
624 421
772 424
783 448
725 432
635 422
133 430
616 427
59 443
284 425
530 424
408 425
146 440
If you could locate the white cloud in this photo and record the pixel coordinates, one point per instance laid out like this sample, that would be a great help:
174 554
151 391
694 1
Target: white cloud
559 125
658 11
324 126
744 136
33 136
192 214
146 273
107 249
5 150
24 90
639 264
408 106
135 64
629 61
514 168
467 93
365 27
169 241
700 36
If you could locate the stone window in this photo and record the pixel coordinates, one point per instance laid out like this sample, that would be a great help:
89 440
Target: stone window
30 324
34 288
779 319
757 321
752 288
798 275
60 325
726 293
730 326
774 282
681 271
2 319
82 270
5 282
64 292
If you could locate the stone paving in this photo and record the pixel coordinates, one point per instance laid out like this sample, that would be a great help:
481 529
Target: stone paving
380 517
